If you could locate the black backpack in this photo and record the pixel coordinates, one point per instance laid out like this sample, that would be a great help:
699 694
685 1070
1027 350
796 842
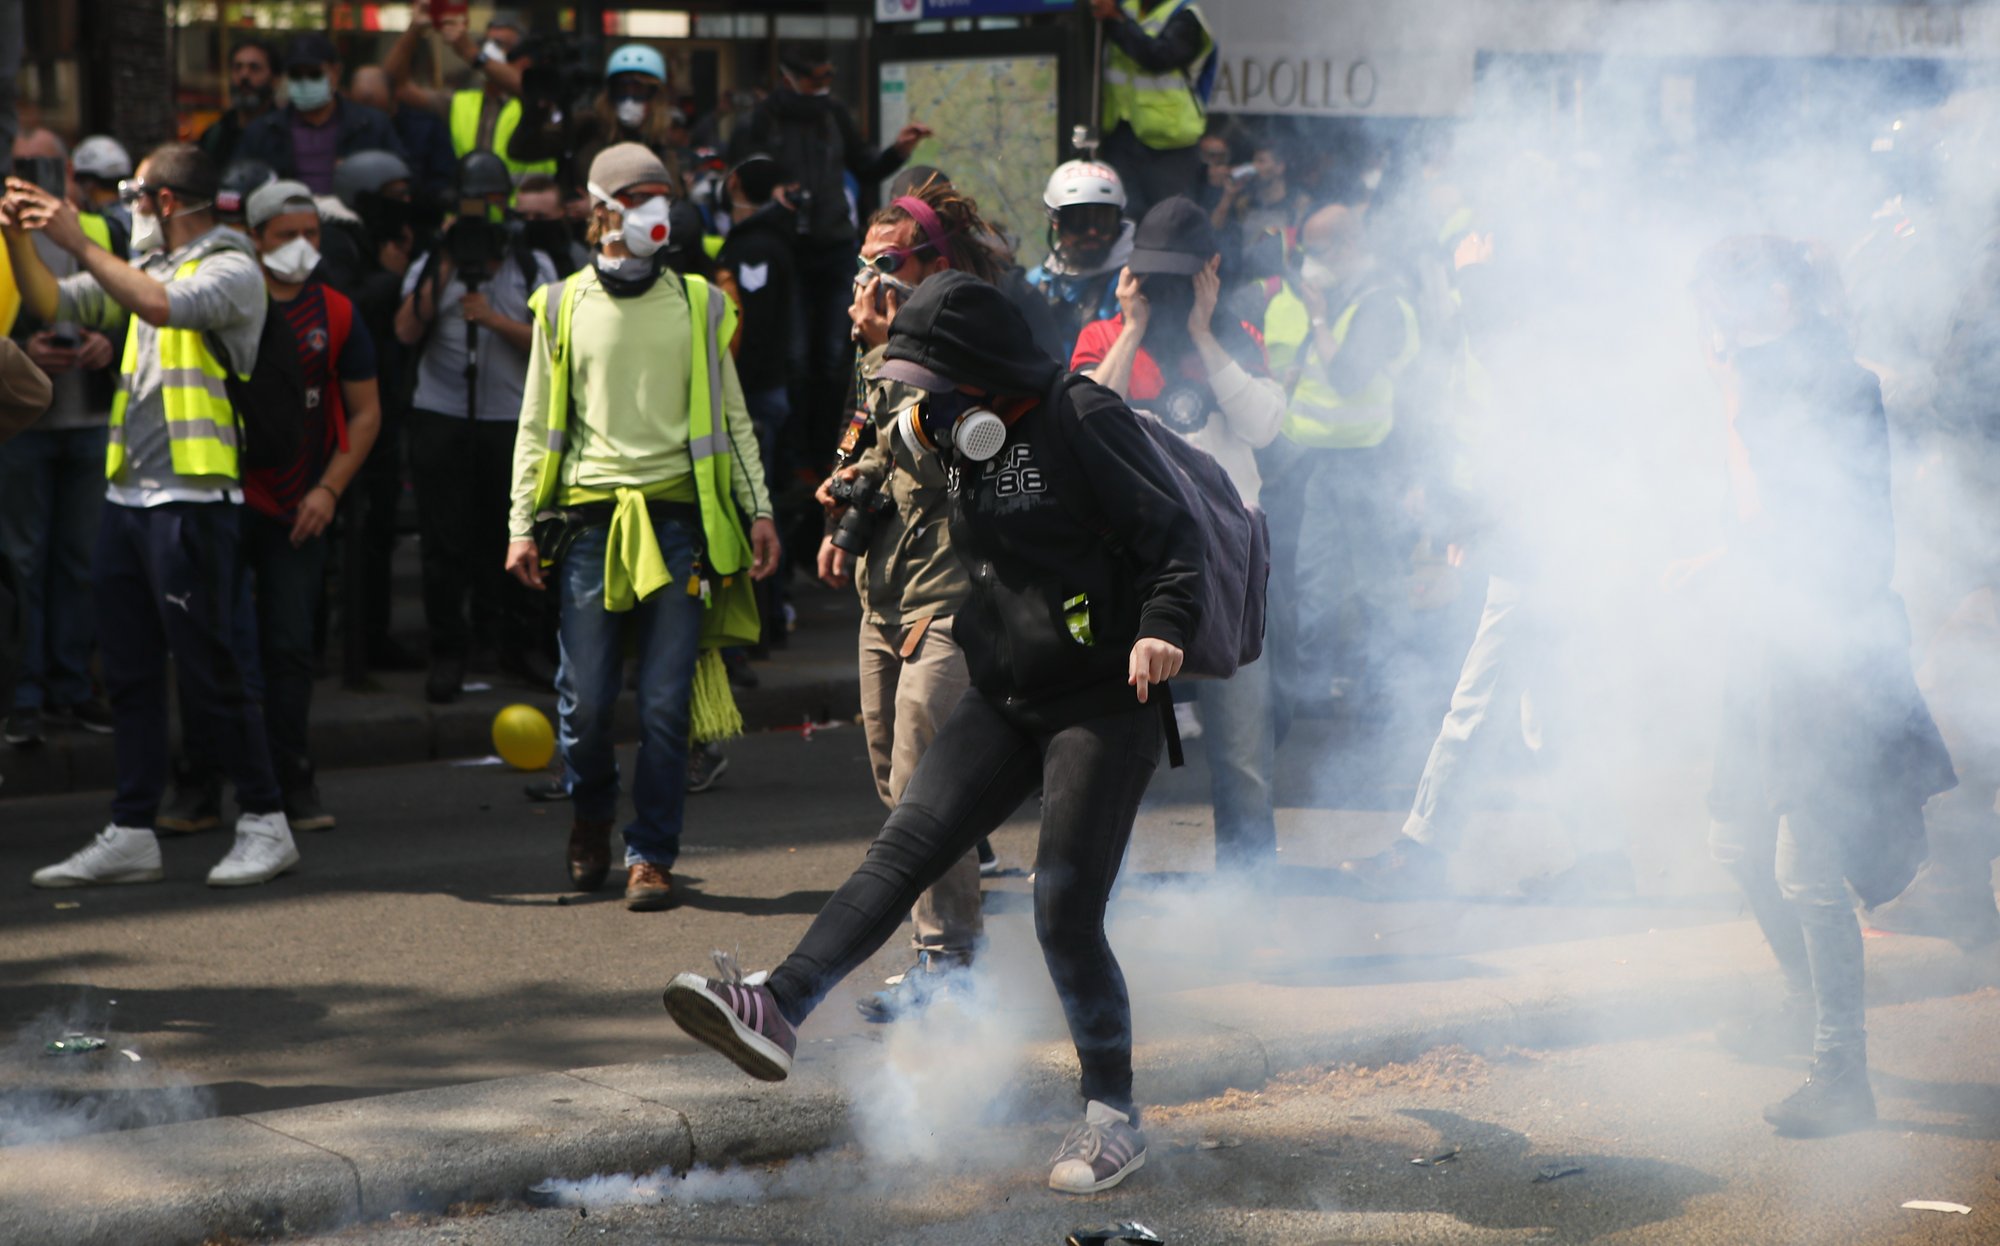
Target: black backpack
271 402
1236 547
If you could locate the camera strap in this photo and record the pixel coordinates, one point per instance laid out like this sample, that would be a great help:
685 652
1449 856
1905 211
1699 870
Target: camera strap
912 638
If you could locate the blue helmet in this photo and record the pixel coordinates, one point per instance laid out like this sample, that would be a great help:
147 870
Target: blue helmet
637 58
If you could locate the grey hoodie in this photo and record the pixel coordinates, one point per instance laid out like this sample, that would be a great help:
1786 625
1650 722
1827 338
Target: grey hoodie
225 298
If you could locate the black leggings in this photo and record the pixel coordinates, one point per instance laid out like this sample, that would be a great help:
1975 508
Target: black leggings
976 773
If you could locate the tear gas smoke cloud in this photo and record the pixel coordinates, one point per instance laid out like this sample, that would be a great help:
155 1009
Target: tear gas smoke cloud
52 1098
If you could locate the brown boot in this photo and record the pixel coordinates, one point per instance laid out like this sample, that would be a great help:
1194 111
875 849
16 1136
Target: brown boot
648 888
589 853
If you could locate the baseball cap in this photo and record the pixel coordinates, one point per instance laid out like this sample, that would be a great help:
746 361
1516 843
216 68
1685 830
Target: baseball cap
1174 238
275 199
102 157
310 48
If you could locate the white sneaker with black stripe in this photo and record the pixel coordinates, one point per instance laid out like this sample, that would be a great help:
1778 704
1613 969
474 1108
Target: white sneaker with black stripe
1099 1153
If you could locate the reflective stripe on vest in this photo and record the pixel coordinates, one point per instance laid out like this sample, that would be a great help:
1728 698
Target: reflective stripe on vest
712 320
202 432
466 107
1314 417
1162 108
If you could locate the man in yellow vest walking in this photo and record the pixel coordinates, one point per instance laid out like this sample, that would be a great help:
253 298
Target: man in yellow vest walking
166 563
634 469
1158 68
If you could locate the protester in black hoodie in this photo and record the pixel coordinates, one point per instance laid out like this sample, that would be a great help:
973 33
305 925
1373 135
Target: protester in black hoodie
757 253
1084 564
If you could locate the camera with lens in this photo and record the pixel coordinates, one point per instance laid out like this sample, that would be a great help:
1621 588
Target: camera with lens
866 501
476 248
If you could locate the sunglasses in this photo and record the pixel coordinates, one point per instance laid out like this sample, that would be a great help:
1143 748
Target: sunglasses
307 73
1101 218
890 261
634 90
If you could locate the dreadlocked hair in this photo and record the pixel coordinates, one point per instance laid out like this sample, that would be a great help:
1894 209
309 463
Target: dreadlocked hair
967 236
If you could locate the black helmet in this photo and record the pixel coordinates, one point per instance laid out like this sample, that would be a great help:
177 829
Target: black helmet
367 172
232 192
481 173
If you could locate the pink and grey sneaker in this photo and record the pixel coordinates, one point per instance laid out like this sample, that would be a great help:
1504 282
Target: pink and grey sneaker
1099 1153
736 1015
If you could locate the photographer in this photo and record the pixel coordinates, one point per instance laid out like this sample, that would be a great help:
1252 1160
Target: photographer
485 115
815 138
1202 372
465 318
890 511
634 465
1057 496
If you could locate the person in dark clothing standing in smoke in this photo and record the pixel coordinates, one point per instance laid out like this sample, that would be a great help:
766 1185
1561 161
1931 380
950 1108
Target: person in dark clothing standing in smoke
1156 74
1950 499
1042 472
815 138
1827 751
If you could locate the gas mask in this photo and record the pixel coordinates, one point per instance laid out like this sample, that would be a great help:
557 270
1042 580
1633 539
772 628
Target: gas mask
293 262
631 113
645 228
954 420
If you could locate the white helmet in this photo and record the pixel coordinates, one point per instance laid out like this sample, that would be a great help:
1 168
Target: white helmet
1083 181
101 157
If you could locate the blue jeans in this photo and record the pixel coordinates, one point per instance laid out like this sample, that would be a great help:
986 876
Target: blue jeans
1241 731
1350 580
666 630
51 491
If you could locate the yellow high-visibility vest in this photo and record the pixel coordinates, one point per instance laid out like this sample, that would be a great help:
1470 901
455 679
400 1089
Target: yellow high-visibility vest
465 109
1162 108
713 318
202 429
1314 417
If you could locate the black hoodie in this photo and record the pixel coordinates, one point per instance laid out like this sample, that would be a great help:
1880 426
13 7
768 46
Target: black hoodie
758 254
1077 517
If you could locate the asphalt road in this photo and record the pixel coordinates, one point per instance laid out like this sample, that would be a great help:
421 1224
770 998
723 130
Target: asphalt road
1665 1131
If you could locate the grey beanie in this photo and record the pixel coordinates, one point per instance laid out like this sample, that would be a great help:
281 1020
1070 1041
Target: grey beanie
622 166
274 199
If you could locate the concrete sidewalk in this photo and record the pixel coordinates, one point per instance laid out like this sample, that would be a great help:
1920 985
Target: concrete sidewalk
1237 1025
813 678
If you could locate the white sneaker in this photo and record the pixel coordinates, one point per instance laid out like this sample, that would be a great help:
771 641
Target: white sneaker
119 854
263 850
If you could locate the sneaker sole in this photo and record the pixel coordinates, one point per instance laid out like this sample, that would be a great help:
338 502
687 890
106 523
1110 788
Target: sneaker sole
714 776
1138 1162
116 880
255 879
707 1021
325 822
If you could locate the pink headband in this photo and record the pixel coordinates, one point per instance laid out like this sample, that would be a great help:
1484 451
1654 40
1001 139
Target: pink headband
933 228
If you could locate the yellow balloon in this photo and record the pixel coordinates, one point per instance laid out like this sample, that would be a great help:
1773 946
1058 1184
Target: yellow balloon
523 737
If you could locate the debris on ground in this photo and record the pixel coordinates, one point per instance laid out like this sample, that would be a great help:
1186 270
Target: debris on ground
73 1045
1556 1172
129 1054
1220 1144
1444 1070
1432 1161
1124 1231
1925 1204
